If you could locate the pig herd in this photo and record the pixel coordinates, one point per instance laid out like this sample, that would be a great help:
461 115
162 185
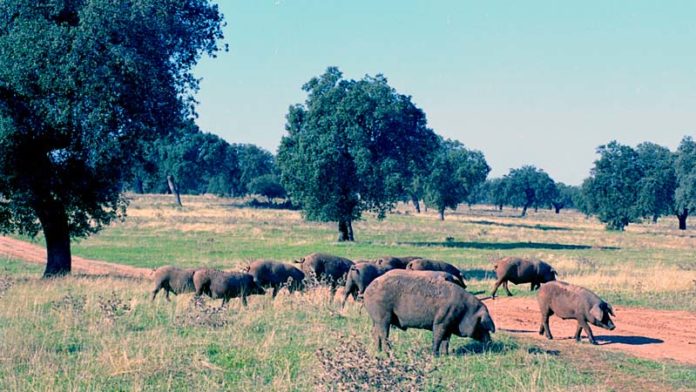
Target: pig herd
405 292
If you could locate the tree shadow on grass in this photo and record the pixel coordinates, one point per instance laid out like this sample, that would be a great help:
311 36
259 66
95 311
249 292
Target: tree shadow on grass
478 274
506 245
629 340
522 225
475 347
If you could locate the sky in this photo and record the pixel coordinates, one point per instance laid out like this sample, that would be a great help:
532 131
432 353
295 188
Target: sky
527 82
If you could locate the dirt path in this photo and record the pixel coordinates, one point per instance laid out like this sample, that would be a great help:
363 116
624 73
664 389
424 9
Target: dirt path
36 254
645 333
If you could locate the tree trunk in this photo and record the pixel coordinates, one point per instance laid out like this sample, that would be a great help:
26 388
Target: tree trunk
524 210
139 188
500 207
345 230
442 214
557 207
682 219
654 218
174 189
54 222
416 203
350 231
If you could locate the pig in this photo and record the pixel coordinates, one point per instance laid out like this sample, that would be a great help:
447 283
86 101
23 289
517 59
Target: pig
269 273
225 285
396 262
518 270
432 265
327 268
568 301
172 280
425 300
360 276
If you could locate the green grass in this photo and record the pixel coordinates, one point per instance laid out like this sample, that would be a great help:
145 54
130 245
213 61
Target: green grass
82 333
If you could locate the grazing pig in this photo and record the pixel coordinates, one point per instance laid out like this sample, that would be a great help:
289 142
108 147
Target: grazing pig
326 268
517 270
225 285
396 262
268 273
568 301
174 280
425 300
432 265
360 276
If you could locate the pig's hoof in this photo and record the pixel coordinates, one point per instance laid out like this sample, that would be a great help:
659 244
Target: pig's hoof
594 342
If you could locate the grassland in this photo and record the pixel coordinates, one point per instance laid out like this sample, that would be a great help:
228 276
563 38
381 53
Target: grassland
87 333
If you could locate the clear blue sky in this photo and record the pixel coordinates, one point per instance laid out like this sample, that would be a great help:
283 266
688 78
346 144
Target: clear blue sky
526 82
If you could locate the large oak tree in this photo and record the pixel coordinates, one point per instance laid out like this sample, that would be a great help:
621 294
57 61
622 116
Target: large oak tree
351 147
82 84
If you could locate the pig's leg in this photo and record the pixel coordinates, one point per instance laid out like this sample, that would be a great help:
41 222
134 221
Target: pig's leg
244 300
383 332
444 346
276 288
495 288
588 331
167 295
505 285
377 336
438 338
577 333
345 298
544 327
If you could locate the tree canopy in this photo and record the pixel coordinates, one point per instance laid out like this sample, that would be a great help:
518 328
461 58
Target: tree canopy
454 174
685 170
613 188
351 147
658 182
82 83
529 186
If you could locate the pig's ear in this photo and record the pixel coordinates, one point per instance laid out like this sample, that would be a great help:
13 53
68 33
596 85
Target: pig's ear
611 310
597 313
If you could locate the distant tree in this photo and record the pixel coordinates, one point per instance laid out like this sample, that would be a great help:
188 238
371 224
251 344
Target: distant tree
455 172
350 148
613 188
685 170
497 192
529 186
194 162
254 162
659 181
564 197
82 84
267 185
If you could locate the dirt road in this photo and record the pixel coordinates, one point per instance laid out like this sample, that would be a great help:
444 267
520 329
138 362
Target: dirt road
645 333
35 254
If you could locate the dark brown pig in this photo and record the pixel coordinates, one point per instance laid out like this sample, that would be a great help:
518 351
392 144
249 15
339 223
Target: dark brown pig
225 285
172 280
517 270
360 276
568 301
327 268
425 300
396 262
432 265
269 273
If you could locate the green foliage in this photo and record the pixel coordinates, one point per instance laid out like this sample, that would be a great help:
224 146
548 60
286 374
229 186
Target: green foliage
529 186
613 189
82 83
565 196
254 162
267 185
454 173
685 168
657 186
351 147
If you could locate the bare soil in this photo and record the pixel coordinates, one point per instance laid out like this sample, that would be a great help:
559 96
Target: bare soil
645 333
